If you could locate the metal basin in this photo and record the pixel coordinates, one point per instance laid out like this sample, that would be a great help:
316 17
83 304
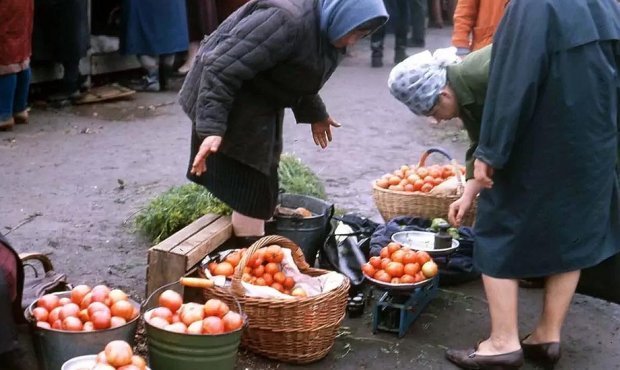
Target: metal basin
83 363
422 241
55 347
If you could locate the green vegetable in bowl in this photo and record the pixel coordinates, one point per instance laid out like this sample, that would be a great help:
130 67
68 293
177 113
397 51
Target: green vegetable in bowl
436 222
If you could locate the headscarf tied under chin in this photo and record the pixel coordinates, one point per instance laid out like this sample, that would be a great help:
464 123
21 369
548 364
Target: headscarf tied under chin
339 17
418 80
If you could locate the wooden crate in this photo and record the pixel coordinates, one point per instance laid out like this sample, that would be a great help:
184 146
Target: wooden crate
181 252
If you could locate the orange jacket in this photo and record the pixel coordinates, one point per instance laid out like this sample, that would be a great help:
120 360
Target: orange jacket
475 22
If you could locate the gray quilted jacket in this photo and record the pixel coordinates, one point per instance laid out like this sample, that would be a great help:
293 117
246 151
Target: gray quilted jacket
267 56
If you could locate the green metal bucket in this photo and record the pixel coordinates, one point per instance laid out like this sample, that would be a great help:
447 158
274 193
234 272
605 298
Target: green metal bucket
169 350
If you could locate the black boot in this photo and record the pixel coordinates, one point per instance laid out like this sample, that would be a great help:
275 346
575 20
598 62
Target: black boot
376 47
399 55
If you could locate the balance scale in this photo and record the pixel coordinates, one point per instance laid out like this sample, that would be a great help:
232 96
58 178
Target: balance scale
396 310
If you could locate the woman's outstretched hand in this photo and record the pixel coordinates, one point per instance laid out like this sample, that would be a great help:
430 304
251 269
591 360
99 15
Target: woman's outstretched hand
322 131
209 145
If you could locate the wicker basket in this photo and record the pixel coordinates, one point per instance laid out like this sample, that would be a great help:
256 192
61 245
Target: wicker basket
392 203
297 331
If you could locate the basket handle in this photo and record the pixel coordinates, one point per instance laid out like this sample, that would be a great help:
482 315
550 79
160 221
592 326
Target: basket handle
298 256
430 151
461 180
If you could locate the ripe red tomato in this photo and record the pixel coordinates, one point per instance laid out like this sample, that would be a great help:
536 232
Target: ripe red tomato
171 300
423 257
49 302
392 247
383 276
409 257
212 325
375 262
422 172
395 269
417 185
368 269
232 321
411 269
434 172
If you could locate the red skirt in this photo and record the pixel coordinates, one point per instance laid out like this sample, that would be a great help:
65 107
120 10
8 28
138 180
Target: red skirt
16 29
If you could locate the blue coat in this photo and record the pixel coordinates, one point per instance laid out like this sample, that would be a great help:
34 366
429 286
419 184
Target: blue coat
154 27
550 129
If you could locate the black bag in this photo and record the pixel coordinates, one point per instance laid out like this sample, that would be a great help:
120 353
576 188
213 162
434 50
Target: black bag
347 247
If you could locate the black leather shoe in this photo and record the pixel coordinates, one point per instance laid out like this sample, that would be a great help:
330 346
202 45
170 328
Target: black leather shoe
547 354
468 359
376 62
399 55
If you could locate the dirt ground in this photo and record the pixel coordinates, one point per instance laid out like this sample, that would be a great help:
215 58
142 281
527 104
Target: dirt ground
74 178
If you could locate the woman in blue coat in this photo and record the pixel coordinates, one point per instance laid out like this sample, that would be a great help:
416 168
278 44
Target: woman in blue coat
547 158
154 30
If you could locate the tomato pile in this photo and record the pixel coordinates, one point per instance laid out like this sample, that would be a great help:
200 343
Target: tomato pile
417 179
398 265
213 317
118 355
86 310
264 268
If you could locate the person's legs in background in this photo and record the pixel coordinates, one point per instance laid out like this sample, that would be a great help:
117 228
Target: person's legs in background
158 70
166 66
435 16
150 81
70 83
417 14
376 47
191 54
20 102
397 9
399 15
8 83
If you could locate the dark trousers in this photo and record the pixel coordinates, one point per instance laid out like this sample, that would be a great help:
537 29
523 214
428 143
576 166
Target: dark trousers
398 11
14 93
417 14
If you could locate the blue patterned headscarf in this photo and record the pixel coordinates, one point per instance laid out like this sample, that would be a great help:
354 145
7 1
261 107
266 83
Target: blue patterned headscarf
418 80
339 17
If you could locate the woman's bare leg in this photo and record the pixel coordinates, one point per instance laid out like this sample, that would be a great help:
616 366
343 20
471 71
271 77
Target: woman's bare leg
559 291
502 295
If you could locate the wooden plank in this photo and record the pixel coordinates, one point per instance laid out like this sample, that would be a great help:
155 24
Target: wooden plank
163 268
196 247
186 232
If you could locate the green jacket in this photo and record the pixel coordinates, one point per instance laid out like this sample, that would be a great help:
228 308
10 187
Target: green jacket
469 80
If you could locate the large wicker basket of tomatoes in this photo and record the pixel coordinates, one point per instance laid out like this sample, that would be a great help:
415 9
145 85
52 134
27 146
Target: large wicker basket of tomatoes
421 191
298 330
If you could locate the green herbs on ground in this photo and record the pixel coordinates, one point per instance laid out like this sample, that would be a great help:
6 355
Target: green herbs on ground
178 207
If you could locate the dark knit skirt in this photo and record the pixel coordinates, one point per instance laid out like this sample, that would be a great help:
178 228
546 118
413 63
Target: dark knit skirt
245 189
